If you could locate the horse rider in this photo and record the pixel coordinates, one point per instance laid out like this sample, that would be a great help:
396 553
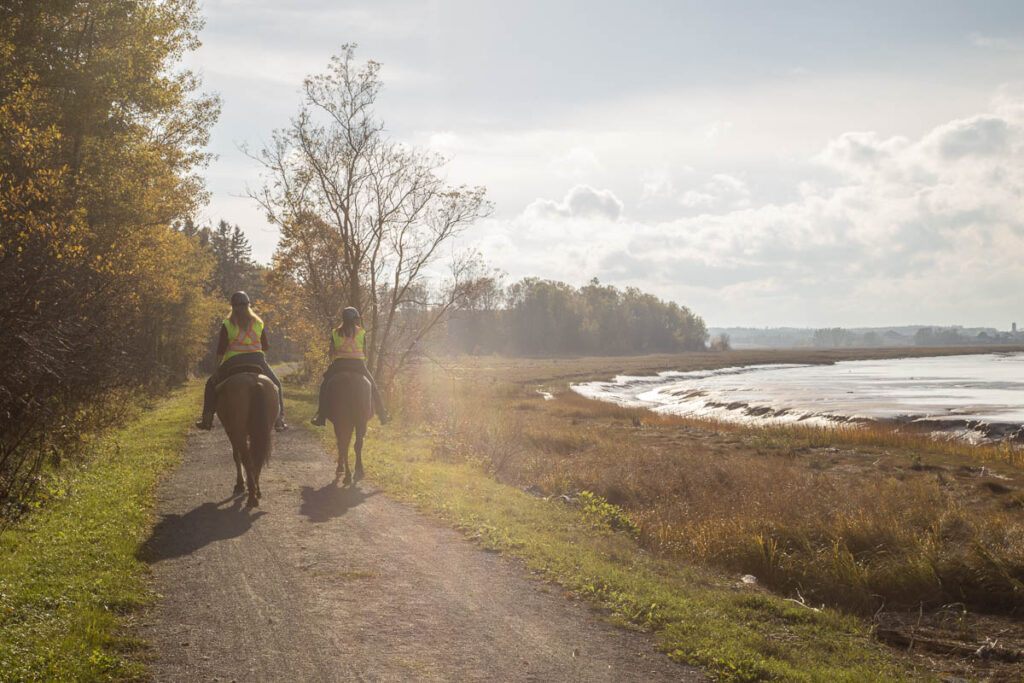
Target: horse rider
348 344
242 341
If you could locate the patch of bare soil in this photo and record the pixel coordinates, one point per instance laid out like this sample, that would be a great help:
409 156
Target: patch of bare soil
958 644
324 583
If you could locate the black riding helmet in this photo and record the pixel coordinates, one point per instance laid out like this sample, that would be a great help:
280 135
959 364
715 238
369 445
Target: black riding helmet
239 299
350 313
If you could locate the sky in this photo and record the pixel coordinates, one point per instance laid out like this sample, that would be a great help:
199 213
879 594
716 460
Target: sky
808 164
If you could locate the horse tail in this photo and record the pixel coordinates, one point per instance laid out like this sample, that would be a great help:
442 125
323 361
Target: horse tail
259 426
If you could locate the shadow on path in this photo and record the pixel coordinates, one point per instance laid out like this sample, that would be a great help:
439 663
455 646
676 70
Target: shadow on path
330 501
178 535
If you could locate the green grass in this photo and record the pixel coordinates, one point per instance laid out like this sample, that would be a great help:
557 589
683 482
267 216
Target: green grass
737 633
69 577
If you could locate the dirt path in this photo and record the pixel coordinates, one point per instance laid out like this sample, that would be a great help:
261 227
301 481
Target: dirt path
322 583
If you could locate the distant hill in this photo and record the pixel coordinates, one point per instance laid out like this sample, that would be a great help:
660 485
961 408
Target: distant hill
854 337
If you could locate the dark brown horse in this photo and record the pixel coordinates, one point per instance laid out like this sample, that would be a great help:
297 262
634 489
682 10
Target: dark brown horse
349 408
247 407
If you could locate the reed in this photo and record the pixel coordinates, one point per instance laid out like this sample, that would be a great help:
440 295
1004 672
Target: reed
862 518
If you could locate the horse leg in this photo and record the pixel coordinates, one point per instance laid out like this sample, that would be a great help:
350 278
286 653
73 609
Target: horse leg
360 433
256 468
239 482
250 480
343 434
239 449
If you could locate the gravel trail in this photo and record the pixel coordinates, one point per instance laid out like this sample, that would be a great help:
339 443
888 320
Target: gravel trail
323 583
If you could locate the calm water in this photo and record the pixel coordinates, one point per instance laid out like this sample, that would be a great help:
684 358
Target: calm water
983 394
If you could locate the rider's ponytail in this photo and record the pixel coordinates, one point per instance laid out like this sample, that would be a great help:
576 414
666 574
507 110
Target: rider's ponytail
243 317
348 329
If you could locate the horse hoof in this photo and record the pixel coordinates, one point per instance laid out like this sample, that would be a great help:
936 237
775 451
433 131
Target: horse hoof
348 479
253 502
239 488
359 475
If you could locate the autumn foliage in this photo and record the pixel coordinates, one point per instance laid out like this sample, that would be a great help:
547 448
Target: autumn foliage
100 144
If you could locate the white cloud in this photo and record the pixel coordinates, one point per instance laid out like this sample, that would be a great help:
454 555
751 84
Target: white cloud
893 230
657 184
445 142
995 43
918 212
717 129
860 153
721 191
576 163
582 201
977 136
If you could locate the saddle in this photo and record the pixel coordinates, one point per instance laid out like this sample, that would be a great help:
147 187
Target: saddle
237 370
369 407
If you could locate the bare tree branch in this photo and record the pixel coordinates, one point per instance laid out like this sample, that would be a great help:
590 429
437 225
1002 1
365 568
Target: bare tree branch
363 218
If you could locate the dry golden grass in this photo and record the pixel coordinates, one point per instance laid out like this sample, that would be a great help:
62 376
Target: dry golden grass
863 519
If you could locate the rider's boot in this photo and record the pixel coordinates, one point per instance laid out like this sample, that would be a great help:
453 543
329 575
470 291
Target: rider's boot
378 407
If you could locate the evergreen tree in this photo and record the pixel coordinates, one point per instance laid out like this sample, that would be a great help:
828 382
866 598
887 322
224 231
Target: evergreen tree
235 269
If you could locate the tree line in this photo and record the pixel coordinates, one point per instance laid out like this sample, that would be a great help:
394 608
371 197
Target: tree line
102 141
955 335
546 317
838 337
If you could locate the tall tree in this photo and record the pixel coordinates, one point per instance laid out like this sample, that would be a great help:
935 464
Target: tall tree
101 141
363 218
235 270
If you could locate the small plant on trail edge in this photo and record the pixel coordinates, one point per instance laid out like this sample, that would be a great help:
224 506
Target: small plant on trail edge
603 513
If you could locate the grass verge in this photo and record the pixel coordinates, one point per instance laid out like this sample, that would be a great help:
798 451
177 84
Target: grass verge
69 577
738 632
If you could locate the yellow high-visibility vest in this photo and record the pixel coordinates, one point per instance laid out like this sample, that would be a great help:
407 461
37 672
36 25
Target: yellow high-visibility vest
243 341
348 347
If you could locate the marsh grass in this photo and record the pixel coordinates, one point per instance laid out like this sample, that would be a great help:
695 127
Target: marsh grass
859 517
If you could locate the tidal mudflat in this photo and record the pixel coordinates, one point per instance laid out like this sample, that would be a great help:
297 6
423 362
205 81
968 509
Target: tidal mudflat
976 396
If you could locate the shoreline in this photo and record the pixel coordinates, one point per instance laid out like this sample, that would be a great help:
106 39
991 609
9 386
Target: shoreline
817 398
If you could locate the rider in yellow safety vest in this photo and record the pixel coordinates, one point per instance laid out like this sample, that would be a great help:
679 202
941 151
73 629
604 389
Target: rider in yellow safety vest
348 354
242 340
